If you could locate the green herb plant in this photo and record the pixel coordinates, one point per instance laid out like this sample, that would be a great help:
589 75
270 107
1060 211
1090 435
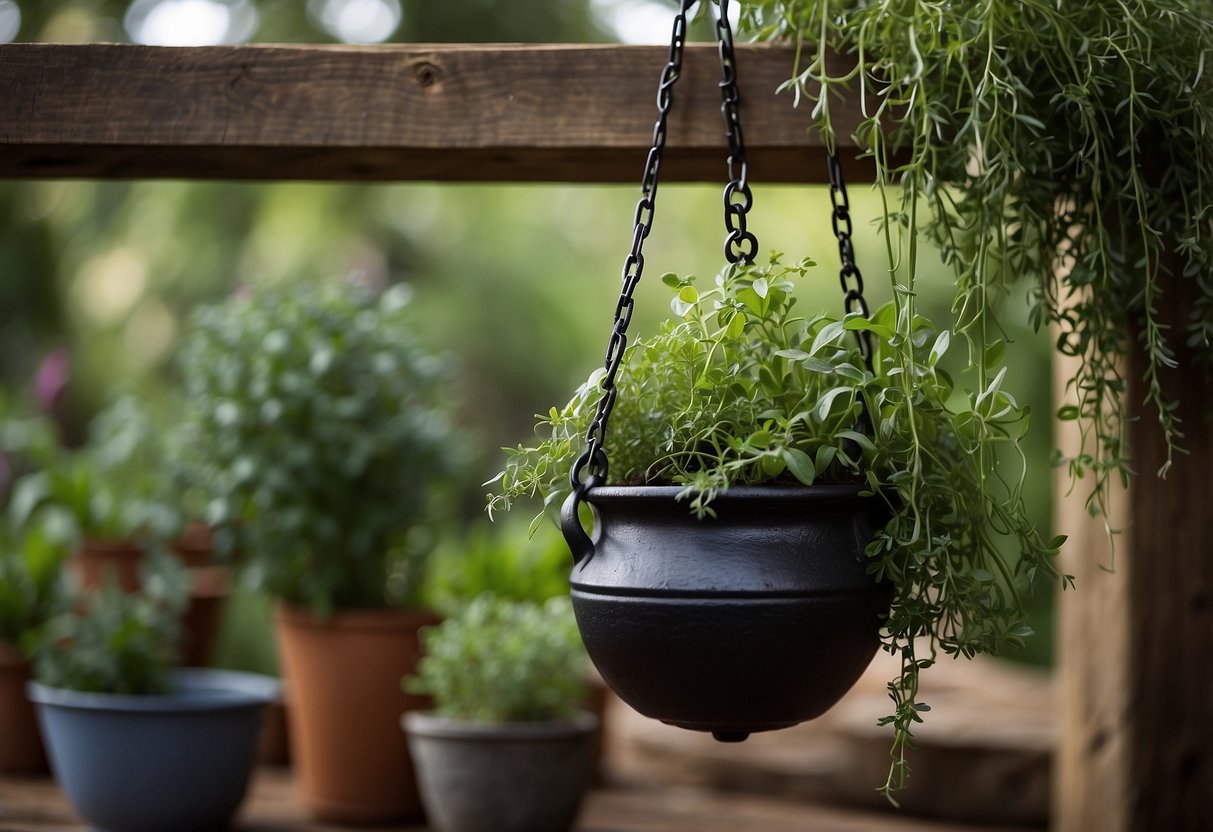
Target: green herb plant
117 642
26 438
504 661
318 427
1067 143
31 590
738 390
501 558
117 487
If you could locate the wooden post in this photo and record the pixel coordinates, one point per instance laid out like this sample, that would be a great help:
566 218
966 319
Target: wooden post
1135 657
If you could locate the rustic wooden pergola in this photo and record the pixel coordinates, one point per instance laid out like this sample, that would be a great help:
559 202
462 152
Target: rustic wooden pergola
1136 645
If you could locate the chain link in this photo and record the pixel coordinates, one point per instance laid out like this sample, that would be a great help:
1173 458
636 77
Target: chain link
740 245
849 276
591 467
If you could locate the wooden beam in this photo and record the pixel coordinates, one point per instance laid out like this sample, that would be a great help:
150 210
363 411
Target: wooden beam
442 112
1136 644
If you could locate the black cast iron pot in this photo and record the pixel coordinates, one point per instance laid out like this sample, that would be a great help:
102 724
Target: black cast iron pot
757 619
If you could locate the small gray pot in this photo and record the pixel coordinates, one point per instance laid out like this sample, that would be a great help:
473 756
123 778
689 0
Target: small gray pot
155 763
507 777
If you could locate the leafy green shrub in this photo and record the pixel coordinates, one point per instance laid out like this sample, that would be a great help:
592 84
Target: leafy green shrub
501 558
118 486
30 583
738 391
318 426
504 661
27 438
114 641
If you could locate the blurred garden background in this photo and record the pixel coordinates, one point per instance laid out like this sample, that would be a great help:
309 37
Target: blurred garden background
513 284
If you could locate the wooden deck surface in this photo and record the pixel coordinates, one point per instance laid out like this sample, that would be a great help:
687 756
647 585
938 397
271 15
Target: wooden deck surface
36 805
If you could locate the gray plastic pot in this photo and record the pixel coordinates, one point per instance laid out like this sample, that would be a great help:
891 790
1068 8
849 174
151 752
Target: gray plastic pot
177 762
505 777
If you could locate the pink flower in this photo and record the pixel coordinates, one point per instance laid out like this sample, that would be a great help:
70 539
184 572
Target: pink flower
50 381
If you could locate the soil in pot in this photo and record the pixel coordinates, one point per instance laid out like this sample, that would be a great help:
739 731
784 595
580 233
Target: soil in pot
351 761
21 749
511 777
176 762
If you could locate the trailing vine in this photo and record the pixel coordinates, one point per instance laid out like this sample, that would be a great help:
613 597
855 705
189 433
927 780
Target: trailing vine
1063 142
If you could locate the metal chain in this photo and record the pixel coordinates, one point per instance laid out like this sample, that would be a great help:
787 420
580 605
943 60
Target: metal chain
591 467
740 245
849 275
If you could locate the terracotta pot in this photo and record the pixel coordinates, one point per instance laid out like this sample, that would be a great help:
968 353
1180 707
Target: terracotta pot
96 557
351 760
597 695
755 619
200 623
194 545
274 747
21 749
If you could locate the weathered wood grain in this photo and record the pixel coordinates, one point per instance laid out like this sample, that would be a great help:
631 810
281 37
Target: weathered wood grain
443 112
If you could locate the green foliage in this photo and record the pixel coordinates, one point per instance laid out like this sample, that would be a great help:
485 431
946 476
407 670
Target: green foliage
501 558
118 486
1065 142
115 642
504 661
26 438
741 391
318 427
30 586
735 392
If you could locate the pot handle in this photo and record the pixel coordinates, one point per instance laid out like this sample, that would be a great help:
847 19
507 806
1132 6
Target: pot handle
579 542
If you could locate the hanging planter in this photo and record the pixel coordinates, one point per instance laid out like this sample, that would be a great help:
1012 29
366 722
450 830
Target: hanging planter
757 619
784 492
763 614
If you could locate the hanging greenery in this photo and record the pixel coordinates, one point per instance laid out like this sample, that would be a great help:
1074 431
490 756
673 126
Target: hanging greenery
1066 143
1063 142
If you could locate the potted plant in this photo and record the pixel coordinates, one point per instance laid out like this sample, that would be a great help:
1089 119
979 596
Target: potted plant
188 736
119 497
30 593
323 442
504 749
776 509
513 563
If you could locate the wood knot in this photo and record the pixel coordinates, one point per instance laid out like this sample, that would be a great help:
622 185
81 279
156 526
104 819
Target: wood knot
1200 603
426 74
